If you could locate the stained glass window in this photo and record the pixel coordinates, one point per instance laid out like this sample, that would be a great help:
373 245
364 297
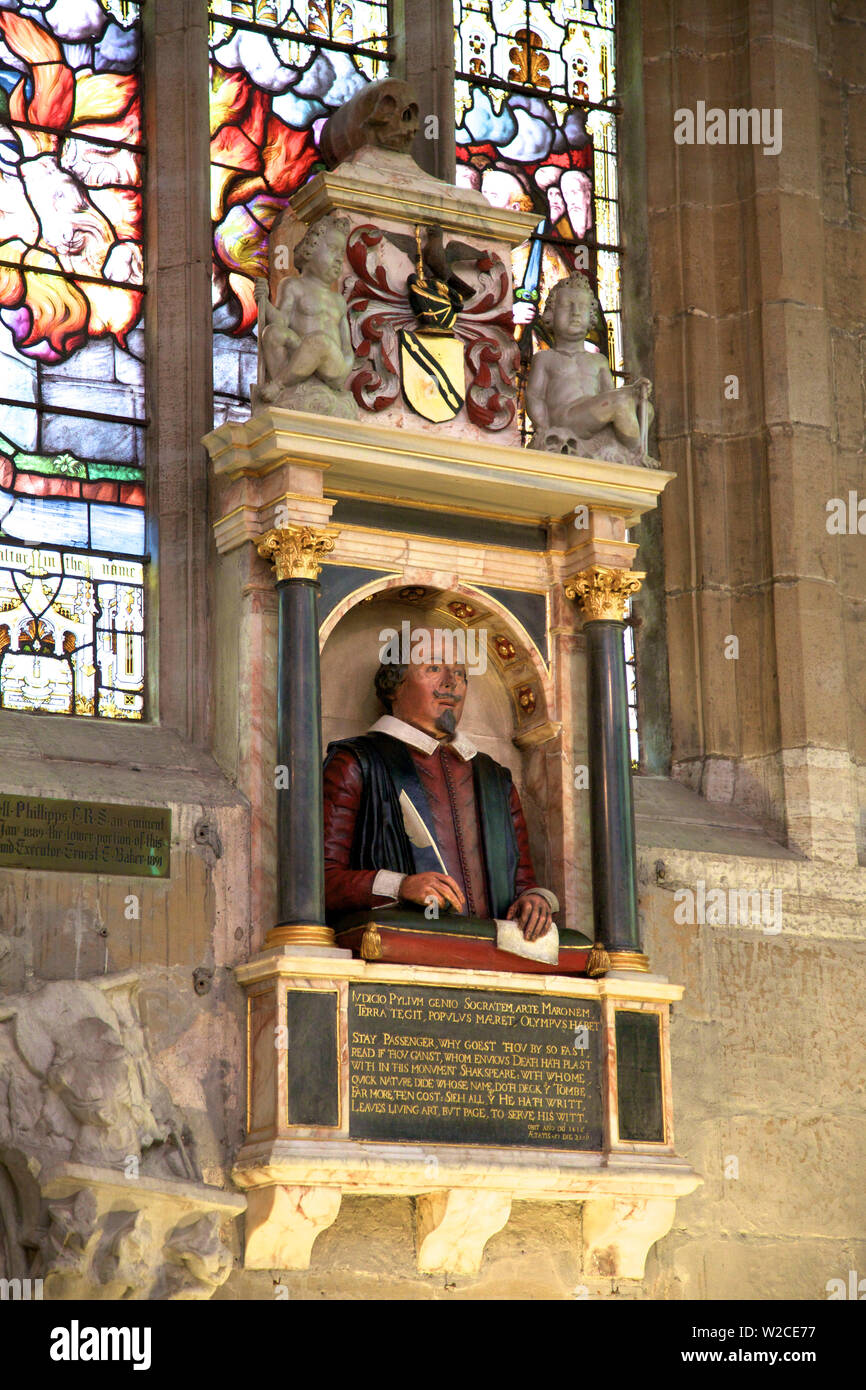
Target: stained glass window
277 69
71 359
536 130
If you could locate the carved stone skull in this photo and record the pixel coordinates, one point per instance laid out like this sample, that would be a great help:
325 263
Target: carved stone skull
384 115
393 122
560 442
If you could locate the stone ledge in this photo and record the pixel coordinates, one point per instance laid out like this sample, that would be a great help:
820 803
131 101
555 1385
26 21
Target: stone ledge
540 1175
53 755
405 465
463 1197
59 1180
268 965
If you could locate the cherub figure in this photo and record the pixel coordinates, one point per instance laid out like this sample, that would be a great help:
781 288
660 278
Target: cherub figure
570 395
305 353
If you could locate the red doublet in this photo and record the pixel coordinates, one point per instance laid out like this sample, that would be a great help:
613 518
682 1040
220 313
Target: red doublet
449 786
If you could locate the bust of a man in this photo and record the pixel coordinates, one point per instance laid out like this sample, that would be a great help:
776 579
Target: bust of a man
415 814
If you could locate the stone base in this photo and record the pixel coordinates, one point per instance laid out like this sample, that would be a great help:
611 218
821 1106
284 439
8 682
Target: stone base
301 1154
464 1196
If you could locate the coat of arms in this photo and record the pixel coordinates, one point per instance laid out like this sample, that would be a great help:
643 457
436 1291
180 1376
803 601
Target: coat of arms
444 341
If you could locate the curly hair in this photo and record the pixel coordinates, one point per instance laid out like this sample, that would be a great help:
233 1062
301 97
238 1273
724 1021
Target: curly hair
388 679
572 282
311 238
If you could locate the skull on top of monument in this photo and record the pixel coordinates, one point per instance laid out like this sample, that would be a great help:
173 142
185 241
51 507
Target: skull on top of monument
383 114
404 311
571 399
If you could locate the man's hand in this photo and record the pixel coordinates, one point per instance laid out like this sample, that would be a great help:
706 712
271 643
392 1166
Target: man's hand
419 888
532 914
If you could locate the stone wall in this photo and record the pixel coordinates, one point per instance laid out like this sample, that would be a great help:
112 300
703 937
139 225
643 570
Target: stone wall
757 276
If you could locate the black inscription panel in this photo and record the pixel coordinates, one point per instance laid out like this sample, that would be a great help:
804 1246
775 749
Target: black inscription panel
468 1066
639 1076
313 1059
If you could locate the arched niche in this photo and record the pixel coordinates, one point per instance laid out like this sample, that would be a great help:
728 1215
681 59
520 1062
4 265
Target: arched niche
508 706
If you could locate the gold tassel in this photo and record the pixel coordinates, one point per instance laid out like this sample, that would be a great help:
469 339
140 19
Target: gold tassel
597 962
371 944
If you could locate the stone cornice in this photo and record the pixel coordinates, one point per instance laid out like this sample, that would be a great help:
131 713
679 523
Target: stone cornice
440 469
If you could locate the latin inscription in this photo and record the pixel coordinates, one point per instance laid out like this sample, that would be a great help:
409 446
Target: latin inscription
470 1066
84 837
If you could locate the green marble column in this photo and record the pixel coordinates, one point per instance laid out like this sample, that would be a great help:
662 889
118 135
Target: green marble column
602 594
295 552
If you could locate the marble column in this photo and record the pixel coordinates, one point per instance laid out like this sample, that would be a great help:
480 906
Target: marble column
602 594
295 552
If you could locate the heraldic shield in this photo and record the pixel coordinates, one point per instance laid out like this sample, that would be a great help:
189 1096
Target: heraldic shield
433 375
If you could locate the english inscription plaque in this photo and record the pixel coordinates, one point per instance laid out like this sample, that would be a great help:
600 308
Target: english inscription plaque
85 837
467 1066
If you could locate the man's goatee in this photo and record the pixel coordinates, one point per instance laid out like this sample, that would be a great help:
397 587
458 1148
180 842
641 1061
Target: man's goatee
446 722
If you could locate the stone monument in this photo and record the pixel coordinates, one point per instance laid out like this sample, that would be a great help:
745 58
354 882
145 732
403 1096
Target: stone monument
438 1034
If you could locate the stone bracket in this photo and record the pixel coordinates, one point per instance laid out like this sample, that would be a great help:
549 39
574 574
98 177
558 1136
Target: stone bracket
619 1231
453 1227
463 1196
283 1222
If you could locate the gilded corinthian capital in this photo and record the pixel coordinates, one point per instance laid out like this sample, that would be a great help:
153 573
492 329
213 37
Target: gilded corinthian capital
295 551
603 593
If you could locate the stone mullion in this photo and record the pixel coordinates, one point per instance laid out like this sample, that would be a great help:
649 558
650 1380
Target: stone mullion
820 811
178 359
424 57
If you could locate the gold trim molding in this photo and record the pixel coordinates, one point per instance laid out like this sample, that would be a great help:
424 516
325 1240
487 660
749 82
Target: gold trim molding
296 551
602 593
299 934
628 960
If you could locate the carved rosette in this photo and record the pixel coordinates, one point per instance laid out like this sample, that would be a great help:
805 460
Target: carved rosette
296 551
603 593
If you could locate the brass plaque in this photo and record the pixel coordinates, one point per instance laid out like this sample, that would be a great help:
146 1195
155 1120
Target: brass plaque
84 837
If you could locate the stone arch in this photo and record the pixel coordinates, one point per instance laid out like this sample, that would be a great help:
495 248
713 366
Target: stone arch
509 710
512 652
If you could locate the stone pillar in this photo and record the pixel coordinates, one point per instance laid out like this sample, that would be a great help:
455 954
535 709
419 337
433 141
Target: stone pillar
179 352
424 57
602 594
295 552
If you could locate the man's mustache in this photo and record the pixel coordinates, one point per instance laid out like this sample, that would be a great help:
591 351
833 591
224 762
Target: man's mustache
447 695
